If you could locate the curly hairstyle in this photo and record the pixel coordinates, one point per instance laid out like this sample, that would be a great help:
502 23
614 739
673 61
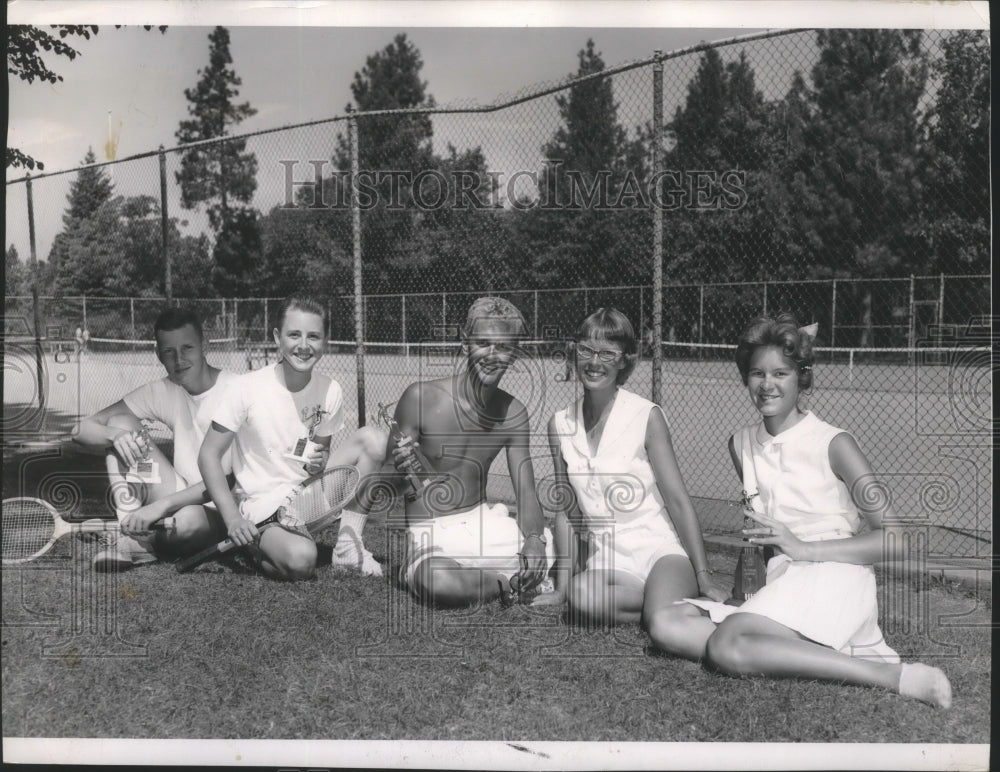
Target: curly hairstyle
612 325
783 333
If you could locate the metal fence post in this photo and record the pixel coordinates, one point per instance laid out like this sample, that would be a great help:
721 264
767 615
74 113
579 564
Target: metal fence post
168 281
701 313
402 319
656 390
84 308
536 316
36 311
911 333
833 315
765 298
131 316
359 339
940 313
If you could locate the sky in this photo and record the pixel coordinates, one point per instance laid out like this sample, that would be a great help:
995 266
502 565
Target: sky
297 60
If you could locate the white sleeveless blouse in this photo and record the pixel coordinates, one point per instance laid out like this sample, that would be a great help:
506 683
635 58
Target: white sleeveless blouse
615 484
796 483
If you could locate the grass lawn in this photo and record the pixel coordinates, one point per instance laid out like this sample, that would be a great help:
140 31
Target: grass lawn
225 653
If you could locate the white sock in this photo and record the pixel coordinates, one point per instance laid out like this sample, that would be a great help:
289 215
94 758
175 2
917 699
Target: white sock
350 551
352 525
925 683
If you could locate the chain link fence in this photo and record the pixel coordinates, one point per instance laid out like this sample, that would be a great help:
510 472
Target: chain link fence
840 175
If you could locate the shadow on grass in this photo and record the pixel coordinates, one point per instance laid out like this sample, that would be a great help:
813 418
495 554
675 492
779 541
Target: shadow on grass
24 423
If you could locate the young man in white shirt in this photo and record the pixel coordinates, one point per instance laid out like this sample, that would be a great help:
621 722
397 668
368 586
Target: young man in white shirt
184 400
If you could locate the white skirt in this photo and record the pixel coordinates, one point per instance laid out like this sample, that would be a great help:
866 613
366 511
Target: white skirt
633 547
834 604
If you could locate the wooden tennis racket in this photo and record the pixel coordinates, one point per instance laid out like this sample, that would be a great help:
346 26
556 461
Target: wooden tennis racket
314 503
30 527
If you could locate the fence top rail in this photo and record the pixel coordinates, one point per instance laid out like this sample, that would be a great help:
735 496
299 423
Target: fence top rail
841 349
453 344
761 282
501 103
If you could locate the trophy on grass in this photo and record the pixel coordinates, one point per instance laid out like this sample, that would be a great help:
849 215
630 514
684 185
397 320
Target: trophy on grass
751 566
144 470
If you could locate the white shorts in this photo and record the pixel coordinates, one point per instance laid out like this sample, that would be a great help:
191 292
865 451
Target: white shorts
834 604
484 537
633 547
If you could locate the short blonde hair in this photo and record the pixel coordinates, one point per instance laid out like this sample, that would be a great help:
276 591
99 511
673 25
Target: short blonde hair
493 308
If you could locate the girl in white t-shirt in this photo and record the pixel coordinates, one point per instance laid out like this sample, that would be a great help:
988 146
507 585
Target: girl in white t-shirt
266 416
643 544
817 615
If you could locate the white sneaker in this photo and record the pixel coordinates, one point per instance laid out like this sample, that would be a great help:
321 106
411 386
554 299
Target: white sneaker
350 553
120 553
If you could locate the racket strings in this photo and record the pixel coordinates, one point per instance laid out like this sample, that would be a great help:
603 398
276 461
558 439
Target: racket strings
324 495
26 528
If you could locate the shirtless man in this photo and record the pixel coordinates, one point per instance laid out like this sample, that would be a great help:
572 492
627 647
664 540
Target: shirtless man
460 549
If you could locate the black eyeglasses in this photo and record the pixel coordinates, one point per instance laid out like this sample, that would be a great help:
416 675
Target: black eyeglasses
585 352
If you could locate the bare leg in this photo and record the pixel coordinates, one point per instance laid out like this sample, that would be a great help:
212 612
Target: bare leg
365 450
676 628
285 555
444 582
195 527
604 597
750 644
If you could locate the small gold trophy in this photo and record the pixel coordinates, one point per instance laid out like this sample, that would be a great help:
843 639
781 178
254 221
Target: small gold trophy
751 566
418 470
305 445
145 470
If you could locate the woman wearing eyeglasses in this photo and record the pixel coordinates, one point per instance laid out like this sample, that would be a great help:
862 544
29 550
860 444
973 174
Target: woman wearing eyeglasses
638 546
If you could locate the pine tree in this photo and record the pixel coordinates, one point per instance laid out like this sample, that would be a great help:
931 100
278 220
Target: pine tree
721 129
91 189
857 187
590 138
222 174
956 220
576 234
74 249
391 80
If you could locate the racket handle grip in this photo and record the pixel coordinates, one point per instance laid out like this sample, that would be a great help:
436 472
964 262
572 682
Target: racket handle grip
166 524
206 554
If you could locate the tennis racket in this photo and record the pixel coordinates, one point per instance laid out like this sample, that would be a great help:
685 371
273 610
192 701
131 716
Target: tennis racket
30 527
315 503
